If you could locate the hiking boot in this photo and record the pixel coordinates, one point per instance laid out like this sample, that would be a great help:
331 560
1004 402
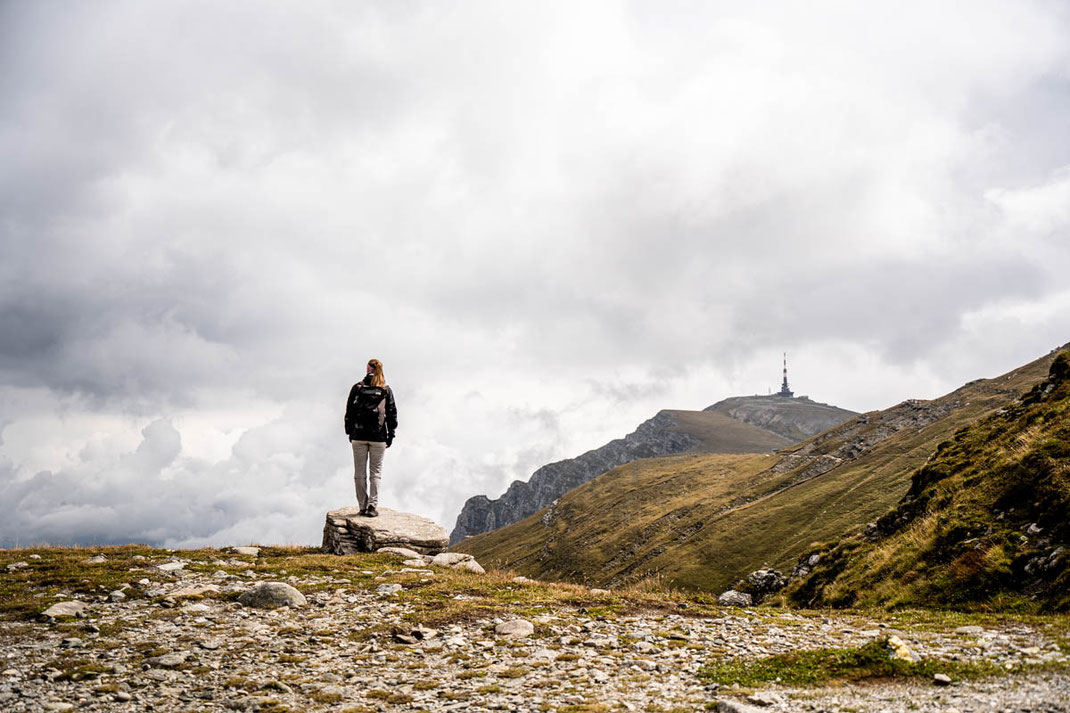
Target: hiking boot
371 512
364 512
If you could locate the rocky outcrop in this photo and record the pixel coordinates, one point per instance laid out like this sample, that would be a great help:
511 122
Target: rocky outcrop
754 424
347 532
794 418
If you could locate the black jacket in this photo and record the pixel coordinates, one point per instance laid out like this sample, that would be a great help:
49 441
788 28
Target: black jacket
371 414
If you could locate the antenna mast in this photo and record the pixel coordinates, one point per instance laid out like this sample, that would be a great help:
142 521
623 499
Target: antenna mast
784 390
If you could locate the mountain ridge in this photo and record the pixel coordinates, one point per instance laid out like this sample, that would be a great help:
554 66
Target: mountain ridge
702 521
670 431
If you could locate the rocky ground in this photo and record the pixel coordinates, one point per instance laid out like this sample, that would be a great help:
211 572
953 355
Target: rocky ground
163 631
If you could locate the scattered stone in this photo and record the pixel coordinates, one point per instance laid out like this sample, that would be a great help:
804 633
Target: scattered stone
171 566
729 706
515 629
898 649
346 532
971 630
942 679
65 609
449 559
520 579
17 566
388 589
116 596
471 566
413 563
400 552
252 551
599 592
413 636
732 598
765 699
57 706
196 590
271 595
766 581
209 644
167 660
96 559
72 642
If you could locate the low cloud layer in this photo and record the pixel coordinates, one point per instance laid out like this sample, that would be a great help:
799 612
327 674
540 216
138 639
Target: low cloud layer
549 221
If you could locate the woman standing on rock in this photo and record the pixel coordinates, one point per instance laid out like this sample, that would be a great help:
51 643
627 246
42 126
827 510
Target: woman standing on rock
371 420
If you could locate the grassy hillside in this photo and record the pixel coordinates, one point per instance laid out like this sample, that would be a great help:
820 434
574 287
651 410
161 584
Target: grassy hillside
719 433
703 521
986 522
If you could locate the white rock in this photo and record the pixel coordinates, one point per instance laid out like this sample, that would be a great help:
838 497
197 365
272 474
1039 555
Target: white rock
96 559
765 698
170 566
471 566
449 559
732 598
116 596
414 563
400 552
66 609
388 589
254 551
942 679
515 629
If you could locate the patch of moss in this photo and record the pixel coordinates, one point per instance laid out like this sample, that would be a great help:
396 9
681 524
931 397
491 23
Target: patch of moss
819 666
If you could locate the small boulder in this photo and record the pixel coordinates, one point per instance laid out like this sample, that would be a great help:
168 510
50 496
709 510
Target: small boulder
732 598
942 679
898 650
388 589
346 532
254 551
449 559
65 609
95 559
515 629
471 566
271 595
766 581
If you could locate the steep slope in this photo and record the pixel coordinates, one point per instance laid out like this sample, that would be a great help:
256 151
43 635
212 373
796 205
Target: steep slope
703 521
668 432
986 521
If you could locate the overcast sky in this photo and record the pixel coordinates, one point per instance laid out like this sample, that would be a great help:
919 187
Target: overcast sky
548 220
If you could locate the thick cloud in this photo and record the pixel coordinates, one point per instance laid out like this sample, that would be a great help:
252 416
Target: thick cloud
549 220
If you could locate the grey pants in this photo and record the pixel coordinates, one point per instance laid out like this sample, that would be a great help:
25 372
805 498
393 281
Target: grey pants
367 471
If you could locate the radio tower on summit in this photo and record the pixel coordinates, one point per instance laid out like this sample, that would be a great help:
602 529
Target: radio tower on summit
784 390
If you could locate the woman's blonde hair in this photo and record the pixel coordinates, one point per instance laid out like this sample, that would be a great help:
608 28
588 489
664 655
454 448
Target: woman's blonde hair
377 374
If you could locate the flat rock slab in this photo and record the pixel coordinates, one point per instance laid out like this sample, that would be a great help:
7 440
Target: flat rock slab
347 533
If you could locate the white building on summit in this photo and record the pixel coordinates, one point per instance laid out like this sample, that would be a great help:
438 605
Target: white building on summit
784 390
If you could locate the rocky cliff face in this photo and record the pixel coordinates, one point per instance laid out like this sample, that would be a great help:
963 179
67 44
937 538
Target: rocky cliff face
754 424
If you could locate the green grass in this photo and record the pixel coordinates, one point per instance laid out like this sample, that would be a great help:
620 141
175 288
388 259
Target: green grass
820 666
958 537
